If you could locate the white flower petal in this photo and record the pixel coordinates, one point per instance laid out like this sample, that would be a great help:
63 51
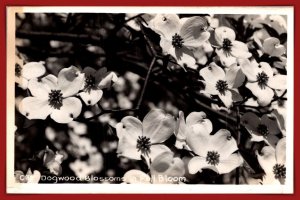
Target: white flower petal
197 139
212 73
70 81
234 76
33 70
71 108
226 98
265 67
278 82
210 88
267 159
223 143
166 25
22 82
240 50
184 56
195 117
92 97
281 151
264 96
157 149
166 46
233 161
127 142
108 80
131 127
158 126
35 108
42 88
226 60
222 33
249 69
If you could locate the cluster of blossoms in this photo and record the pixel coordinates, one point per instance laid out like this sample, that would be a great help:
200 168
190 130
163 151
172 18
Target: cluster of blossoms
145 140
58 96
241 69
232 68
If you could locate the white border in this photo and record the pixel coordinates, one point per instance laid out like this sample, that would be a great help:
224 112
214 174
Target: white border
125 188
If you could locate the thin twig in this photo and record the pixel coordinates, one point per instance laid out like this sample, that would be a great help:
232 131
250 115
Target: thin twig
70 37
105 112
238 140
148 41
146 83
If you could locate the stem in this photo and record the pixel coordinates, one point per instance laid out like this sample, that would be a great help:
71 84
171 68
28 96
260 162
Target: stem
41 35
149 43
238 140
146 83
105 112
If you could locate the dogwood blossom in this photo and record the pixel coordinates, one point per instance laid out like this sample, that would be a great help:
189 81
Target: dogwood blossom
145 138
261 129
184 126
262 81
273 162
25 72
94 82
215 152
53 96
178 36
219 83
228 48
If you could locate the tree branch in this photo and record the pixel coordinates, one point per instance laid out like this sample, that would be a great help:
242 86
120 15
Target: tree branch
70 37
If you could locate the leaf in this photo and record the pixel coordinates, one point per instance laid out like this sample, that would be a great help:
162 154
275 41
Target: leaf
283 38
272 32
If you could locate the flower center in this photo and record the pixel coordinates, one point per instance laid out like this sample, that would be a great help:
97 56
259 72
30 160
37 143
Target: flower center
227 46
222 86
262 79
213 158
90 83
18 70
177 41
263 130
279 171
143 145
55 99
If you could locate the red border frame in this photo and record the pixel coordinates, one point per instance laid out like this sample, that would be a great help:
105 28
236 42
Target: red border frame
5 3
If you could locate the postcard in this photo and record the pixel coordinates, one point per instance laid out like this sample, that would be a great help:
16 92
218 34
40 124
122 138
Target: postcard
150 100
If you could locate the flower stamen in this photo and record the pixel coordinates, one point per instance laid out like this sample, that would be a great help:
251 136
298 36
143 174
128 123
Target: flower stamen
279 171
177 41
143 145
222 86
213 158
227 44
262 79
263 130
55 99
90 83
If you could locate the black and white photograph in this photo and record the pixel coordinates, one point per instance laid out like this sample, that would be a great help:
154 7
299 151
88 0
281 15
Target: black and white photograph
162 98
